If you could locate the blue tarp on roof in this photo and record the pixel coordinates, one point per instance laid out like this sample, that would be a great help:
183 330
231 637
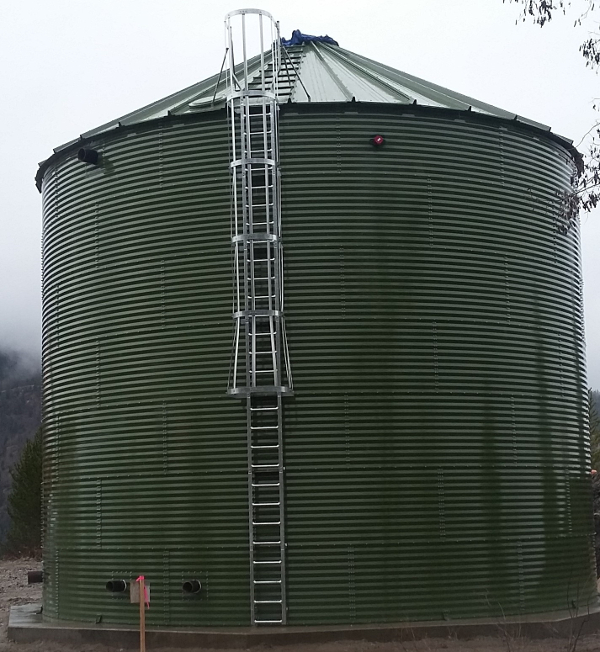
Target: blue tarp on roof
298 38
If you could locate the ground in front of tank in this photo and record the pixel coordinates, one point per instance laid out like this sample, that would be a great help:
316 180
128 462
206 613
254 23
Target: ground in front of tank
14 590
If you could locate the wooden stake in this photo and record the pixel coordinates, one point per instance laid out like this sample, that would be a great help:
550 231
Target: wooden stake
142 614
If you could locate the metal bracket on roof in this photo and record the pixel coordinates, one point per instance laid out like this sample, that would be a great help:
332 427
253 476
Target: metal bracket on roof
219 77
297 73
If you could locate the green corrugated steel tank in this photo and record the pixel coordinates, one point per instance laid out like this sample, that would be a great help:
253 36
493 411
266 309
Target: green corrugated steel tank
436 452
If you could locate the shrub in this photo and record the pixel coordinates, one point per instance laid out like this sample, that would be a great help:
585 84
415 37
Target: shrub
25 501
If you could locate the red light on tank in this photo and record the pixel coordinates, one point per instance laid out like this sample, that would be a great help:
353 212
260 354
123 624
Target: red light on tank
378 140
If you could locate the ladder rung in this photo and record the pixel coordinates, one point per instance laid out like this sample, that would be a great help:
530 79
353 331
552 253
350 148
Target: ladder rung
266 484
267 543
267 582
265 466
268 622
264 409
267 602
266 504
264 427
267 563
266 522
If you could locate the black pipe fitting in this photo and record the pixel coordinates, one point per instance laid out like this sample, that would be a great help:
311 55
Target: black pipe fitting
192 586
34 577
116 586
88 155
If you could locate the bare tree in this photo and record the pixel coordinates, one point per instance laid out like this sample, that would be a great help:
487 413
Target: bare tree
585 15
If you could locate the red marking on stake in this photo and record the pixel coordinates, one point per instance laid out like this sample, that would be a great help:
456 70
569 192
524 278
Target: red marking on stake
146 592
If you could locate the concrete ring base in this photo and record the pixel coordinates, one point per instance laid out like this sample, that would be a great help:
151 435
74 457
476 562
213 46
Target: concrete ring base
26 626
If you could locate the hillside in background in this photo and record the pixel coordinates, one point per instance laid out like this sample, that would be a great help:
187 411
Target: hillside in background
20 416
596 399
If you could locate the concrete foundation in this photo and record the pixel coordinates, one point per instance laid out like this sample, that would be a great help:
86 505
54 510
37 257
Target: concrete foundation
26 625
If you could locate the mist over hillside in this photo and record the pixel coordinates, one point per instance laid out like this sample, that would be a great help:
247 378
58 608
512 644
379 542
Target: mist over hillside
20 416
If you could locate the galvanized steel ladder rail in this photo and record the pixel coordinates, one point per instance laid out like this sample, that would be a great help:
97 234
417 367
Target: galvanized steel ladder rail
260 369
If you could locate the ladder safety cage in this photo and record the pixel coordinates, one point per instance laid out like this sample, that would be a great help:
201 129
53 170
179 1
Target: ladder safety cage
260 369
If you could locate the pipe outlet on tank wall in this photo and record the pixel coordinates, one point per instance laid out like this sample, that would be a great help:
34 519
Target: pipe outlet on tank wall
192 586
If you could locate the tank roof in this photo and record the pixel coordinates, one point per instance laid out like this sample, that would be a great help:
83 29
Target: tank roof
316 70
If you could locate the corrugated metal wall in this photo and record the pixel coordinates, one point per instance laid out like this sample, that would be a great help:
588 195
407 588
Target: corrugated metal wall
145 454
435 448
436 455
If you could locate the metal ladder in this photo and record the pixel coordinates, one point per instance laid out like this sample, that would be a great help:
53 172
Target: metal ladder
260 368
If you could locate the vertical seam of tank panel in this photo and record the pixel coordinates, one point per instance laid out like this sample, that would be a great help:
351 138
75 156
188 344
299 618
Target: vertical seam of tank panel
96 239
343 281
97 374
57 320
347 429
160 159
569 499
507 290
163 299
514 431
165 439
166 577
521 574
441 503
99 512
436 357
352 582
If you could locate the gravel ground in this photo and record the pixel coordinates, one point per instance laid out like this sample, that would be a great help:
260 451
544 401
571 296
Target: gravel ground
14 590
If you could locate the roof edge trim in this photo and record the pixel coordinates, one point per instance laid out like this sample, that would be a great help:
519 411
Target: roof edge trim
379 107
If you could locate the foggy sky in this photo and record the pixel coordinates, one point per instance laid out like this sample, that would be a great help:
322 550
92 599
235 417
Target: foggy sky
71 65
